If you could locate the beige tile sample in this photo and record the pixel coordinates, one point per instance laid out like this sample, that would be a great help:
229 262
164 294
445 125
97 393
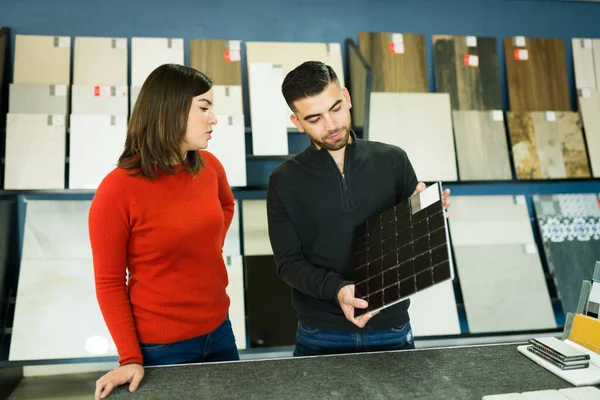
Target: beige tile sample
100 61
589 107
255 229
42 59
228 144
149 53
583 63
421 124
35 151
26 98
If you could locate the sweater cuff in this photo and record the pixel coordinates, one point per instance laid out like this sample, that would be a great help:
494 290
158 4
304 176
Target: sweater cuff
340 286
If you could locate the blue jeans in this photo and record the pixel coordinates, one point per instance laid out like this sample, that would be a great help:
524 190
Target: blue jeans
218 345
311 341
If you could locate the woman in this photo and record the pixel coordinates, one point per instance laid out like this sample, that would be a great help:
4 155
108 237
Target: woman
162 216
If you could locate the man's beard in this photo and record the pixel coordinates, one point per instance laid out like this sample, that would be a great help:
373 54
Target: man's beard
339 143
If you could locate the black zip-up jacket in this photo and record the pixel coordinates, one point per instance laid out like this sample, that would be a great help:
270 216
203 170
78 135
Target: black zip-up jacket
313 210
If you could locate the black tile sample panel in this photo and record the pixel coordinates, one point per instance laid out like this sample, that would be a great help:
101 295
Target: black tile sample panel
271 318
402 251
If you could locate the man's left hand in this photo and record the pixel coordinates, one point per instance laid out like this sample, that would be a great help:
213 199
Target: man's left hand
445 195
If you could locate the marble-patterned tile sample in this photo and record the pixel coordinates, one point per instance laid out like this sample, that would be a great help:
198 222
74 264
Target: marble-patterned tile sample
99 100
421 124
589 107
548 145
42 59
397 59
466 67
267 110
481 145
147 54
232 245
536 74
360 78
433 311
586 73
235 291
255 229
220 60
38 99
570 228
100 61
106 135
228 100
228 144
288 55
34 140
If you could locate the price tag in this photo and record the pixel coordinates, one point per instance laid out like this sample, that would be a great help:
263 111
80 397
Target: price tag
176 44
57 120
396 48
521 55
520 199
550 116
62 41
586 43
519 41
497 115
334 48
118 120
234 45
121 43
530 248
232 55
397 38
471 60
121 91
471 41
585 93
101 91
59 90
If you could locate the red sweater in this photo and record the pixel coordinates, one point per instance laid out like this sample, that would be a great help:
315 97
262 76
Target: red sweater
169 234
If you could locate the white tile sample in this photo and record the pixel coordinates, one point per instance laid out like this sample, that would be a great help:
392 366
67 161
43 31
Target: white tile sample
267 111
99 100
232 245
100 61
235 291
290 55
583 63
433 311
228 100
228 144
421 124
581 393
27 98
106 135
589 107
255 229
42 59
56 230
35 151
149 53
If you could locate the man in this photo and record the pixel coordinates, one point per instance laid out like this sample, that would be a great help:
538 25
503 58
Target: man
315 201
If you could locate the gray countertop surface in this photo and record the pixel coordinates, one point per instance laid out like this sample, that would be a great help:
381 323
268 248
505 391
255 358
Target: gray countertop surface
449 373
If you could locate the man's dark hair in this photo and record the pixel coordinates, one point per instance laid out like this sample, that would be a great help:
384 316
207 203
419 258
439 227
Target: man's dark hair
307 80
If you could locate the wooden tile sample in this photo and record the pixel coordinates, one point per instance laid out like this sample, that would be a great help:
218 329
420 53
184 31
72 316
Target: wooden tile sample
548 147
360 76
52 52
421 124
536 75
468 73
481 145
583 63
398 61
147 54
589 107
218 59
100 61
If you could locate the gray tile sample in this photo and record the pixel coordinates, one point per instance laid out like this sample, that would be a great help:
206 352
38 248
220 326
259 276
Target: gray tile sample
38 99
99 100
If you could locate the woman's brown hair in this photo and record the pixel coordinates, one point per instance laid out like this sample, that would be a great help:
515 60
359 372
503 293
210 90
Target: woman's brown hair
159 120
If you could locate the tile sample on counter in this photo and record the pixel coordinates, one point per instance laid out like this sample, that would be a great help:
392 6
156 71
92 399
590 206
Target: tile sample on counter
100 61
433 311
536 72
501 275
272 319
235 291
421 124
228 144
99 100
481 145
106 135
587 74
361 77
220 60
288 55
51 52
33 140
570 228
56 287
38 99
397 59
147 54
466 67
255 229
589 108
548 145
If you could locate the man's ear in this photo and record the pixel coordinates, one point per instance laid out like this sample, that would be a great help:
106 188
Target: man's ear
296 122
346 95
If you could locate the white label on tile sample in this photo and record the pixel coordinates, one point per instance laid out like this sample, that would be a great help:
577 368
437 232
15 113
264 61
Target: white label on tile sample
595 293
121 43
234 55
429 196
519 41
530 248
471 60
334 48
118 120
497 115
520 199
122 91
102 91
550 116
521 55
397 38
60 90
471 41
176 44
397 48
585 93
58 120
235 45
587 43
64 41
